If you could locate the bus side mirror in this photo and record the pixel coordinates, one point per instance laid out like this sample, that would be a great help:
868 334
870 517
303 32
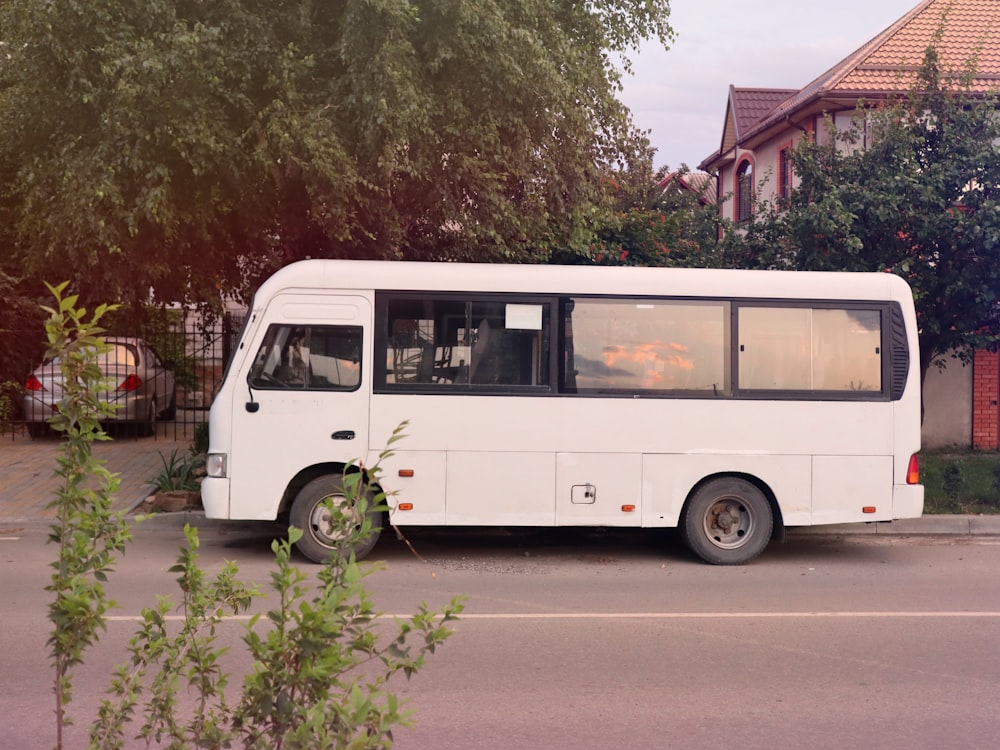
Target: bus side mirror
252 406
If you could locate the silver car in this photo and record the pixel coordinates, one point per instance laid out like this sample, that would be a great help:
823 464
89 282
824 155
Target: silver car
143 387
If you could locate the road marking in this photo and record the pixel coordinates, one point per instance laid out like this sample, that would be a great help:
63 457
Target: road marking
702 615
631 615
10 538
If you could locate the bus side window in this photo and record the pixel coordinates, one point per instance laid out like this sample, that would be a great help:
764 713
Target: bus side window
455 344
810 349
509 344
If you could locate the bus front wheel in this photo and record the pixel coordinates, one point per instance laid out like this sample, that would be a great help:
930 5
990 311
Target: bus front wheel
728 521
330 521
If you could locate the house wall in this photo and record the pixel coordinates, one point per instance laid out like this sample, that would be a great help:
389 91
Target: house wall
766 168
985 398
948 406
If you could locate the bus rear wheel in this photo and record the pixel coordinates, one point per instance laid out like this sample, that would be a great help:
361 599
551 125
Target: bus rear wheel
331 522
728 521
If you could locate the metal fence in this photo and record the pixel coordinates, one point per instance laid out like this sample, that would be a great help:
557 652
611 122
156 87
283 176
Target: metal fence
162 375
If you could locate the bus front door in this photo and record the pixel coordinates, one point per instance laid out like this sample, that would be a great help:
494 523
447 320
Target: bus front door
306 400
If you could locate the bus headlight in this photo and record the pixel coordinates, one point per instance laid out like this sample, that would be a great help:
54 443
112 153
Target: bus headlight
215 465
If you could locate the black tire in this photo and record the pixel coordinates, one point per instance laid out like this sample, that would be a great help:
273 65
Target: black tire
319 541
728 521
38 429
146 427
170 413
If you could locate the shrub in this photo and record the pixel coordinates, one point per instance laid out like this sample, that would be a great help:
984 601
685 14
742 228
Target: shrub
199 446
10 404
179 473
960 481
321 667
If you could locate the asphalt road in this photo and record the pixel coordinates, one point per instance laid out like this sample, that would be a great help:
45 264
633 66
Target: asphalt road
584 639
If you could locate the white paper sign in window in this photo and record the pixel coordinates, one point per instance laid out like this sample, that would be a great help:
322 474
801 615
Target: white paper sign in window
524 317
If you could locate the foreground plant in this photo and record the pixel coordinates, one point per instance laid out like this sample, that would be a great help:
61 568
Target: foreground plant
320 669
89 534
321 665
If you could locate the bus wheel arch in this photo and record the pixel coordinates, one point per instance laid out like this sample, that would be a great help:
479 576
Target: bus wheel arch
729 519
308 501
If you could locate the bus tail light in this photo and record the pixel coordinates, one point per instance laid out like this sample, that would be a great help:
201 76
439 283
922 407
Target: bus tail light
913 470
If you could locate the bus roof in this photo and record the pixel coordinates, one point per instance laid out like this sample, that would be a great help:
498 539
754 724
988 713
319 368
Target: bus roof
347 275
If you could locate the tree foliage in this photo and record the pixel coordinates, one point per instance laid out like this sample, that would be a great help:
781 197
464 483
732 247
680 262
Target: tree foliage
192 147
921 199
654 220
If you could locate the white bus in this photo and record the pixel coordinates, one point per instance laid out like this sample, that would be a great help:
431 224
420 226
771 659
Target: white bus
731 404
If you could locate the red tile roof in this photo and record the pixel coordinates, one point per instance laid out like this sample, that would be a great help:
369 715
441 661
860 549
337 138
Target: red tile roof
964 32
750 106
970 32
701 184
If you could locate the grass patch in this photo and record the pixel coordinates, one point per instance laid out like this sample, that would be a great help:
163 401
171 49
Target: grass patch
960 481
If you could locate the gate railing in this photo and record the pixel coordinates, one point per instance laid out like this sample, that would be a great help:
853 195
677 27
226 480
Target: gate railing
192 349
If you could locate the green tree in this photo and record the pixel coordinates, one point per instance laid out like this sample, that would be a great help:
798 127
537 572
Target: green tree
21 329
921 199
653 220
192 147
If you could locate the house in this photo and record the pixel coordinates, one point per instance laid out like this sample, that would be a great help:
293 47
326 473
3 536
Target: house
762 126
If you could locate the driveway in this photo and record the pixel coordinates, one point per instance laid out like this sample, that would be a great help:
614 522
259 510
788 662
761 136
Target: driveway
28 482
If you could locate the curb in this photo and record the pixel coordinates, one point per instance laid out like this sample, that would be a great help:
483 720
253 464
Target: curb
935 525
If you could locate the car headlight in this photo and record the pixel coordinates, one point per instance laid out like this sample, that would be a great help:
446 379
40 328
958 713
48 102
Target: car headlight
215 465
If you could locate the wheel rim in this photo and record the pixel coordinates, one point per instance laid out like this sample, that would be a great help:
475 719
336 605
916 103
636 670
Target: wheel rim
323 525
728 523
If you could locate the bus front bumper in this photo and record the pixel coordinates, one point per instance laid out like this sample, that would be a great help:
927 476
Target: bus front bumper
215 497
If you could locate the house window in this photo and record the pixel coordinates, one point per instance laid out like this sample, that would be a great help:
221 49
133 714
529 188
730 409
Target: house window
785 173
744 190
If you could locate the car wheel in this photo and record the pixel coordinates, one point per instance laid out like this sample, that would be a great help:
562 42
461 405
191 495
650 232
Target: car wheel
38 429
147 427
170 413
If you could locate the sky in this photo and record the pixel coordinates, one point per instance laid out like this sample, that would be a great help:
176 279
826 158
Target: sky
680 95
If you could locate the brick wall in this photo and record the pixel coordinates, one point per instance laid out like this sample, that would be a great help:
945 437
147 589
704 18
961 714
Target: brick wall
985 395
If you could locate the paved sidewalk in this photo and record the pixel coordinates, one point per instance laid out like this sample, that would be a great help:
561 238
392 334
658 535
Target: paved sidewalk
27 467
27 486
